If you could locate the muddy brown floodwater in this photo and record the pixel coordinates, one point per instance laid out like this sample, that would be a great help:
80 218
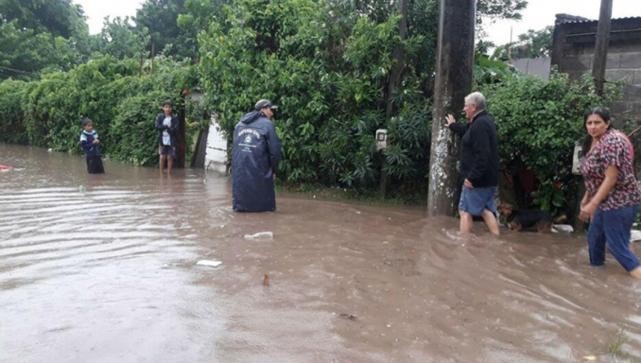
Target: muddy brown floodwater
104 269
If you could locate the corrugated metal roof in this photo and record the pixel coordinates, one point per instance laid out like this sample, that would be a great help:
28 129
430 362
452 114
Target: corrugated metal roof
581 21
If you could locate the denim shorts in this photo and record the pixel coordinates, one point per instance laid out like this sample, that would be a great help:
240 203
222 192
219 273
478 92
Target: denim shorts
475 200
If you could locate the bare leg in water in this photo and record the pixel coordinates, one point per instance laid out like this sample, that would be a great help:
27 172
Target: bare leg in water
170 163
163 158
465 225
491 222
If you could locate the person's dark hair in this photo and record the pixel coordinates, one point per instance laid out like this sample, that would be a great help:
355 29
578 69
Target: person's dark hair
167 103
602 112
85 121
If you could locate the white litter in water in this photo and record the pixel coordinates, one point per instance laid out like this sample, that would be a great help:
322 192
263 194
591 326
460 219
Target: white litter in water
209 263
635 235
260 235
562 228
49 150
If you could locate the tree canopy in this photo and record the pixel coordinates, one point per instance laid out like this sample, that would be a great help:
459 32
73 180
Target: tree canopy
533 44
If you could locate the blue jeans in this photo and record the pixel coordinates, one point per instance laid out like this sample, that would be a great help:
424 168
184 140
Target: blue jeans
612 226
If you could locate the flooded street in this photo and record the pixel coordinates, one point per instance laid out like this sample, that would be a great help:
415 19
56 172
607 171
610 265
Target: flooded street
103 268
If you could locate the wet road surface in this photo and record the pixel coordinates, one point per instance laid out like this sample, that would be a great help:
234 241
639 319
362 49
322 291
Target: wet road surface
103 269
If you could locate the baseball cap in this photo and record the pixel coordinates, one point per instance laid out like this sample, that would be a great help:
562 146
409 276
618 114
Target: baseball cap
263 104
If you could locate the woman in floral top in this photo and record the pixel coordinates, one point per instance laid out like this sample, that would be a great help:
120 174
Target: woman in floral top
612 196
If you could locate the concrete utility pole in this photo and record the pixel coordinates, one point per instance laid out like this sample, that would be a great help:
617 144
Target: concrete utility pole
453 82
601 47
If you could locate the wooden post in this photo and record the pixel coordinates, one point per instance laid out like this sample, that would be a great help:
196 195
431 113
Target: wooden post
601 47
198 158
453 82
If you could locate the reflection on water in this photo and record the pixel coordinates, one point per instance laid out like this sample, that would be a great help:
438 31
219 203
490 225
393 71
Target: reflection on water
103 268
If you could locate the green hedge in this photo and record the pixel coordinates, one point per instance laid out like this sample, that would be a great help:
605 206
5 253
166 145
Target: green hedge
12 126
121 97
329 75
538 123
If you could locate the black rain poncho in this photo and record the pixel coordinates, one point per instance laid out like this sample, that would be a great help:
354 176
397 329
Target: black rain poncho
255 156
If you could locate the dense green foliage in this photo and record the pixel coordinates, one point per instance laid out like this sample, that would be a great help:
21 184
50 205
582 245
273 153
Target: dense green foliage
58 17
41 35
121 39
122 102
532 44
330 77
538 124
12 127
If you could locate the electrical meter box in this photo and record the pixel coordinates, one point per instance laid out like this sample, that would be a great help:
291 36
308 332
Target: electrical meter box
381 139
575 159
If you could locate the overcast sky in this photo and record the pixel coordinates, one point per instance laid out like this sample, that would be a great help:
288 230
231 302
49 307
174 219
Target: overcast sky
538 14
96 10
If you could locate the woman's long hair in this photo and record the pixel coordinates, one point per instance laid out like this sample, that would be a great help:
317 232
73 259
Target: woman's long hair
602 112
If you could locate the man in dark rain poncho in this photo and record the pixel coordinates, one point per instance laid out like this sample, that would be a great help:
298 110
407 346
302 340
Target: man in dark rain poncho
255 156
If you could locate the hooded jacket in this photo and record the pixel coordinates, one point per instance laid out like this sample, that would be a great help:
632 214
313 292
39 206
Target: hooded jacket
86 142
256 152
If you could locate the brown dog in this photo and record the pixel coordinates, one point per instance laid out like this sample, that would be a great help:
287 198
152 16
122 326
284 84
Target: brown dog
524 219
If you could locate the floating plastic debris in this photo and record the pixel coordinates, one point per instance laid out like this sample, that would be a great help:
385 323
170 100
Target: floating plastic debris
209 263
81 189
562 228
635 235
260 235
348 316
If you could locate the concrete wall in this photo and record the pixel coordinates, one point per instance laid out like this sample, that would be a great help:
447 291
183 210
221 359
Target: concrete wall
573 51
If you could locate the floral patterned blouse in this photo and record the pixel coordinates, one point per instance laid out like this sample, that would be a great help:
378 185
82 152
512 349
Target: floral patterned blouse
613 148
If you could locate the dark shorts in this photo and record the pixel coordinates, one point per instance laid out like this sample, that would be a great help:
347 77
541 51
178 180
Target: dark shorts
167 150
94 164
475 200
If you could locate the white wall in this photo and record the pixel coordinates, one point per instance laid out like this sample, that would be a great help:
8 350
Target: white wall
216 153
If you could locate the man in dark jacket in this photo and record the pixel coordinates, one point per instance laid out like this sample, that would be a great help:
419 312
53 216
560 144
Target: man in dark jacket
254 161
479 164
167 127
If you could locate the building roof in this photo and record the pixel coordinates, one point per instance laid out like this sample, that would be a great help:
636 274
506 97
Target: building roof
571 19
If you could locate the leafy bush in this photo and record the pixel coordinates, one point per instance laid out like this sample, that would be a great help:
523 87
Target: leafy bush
121 98
328 69
12 127
538 123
